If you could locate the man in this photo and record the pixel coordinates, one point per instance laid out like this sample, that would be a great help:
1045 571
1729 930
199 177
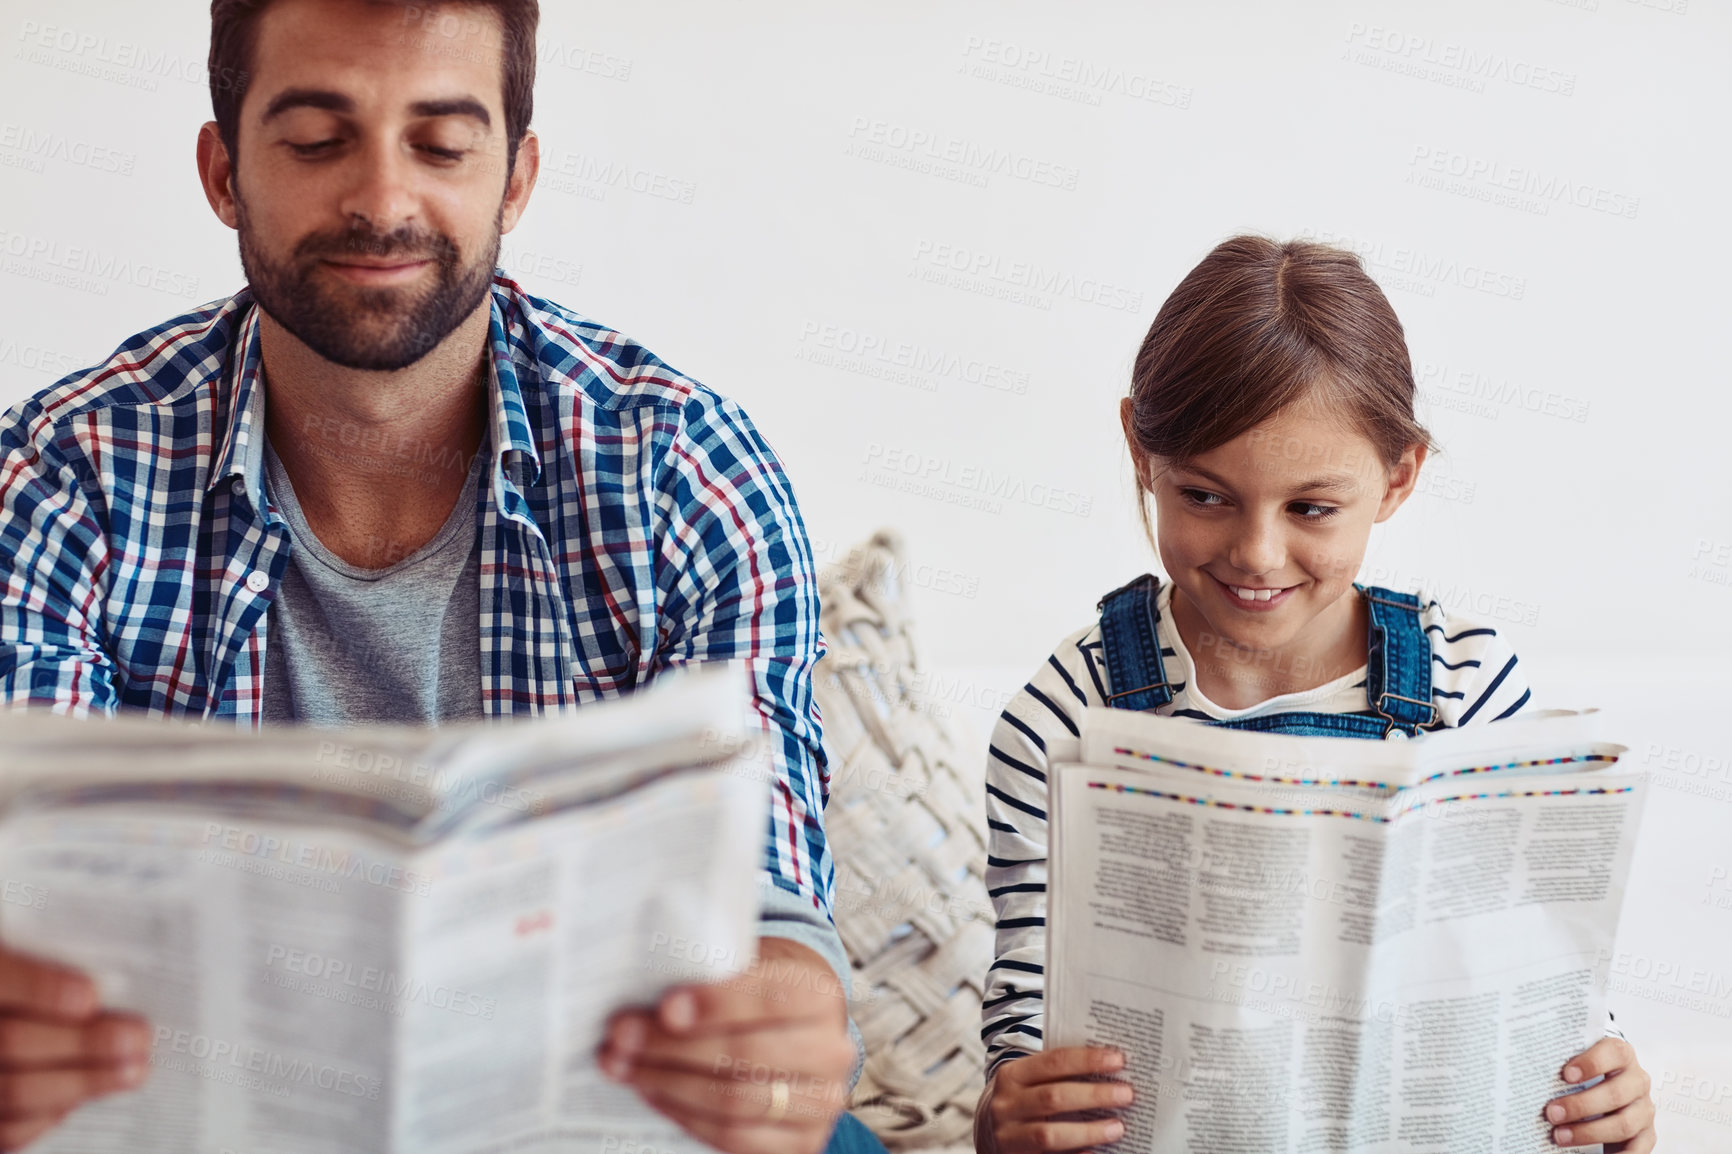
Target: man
383 483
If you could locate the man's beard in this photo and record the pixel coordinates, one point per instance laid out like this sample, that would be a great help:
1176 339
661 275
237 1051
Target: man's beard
379 329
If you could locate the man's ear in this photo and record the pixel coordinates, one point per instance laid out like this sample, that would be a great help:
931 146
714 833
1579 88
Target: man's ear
1402 478
1139 459
521 182
217 173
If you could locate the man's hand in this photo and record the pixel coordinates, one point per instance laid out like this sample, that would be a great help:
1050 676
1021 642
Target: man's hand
1621 1107
57 1048
753 1065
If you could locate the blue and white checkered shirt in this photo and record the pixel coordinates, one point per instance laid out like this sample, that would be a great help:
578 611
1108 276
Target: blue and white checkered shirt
632 521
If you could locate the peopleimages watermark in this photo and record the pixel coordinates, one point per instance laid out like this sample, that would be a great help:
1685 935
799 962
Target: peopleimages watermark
902 362
934 153
1415 270
1066 77
369 987
235 846
210 1055
27 894
1017 281
974 486
1457 65
589 176
1491 177
124 62
86 269
39 145
1711 562
1453 596
37 358
1483 395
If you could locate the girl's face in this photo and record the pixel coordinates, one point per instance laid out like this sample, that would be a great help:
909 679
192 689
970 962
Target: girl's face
1263 535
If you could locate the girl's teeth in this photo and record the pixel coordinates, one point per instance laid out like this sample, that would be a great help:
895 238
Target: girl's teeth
1253 594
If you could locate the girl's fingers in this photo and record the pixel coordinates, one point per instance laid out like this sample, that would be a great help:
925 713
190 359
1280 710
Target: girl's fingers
1603 1057
1635 1119
1642 1143
1040 1137
1031 1103
1064 1064
1616 1092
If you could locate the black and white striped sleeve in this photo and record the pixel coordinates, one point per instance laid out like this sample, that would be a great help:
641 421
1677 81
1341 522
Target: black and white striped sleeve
1048 709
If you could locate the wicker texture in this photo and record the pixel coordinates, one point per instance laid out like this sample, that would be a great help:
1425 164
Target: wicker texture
907 827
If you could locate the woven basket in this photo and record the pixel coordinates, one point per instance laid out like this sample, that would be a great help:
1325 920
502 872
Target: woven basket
907 827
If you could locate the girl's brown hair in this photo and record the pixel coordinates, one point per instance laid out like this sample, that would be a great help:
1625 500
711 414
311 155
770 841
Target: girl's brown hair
1259 325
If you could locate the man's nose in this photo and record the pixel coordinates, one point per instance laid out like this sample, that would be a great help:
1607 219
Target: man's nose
380 188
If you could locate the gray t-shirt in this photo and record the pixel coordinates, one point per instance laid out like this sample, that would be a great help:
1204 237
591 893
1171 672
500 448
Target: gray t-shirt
349 645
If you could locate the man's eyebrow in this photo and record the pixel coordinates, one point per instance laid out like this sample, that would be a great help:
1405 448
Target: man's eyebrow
459 106
308 98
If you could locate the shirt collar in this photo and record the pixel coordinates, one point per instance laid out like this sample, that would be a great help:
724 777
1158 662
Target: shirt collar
242 452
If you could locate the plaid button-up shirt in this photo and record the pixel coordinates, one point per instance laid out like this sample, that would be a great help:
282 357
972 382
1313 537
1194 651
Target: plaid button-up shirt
632 521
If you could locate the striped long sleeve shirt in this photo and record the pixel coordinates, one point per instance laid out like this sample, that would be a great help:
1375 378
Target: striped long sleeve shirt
1475 678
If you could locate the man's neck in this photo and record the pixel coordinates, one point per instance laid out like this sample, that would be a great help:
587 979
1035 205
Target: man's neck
377 459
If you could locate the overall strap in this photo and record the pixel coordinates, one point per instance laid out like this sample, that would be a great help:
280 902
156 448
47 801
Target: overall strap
1398 661
1135 677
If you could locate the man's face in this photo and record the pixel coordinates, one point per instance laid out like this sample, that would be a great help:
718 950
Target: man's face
371 176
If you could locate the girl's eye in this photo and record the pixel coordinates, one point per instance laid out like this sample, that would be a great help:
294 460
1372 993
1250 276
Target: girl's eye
1310 511
1202 498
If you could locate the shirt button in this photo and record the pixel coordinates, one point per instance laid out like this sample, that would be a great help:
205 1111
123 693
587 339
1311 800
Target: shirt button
258 582
239 488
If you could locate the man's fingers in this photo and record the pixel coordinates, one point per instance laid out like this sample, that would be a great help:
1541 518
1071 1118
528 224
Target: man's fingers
807 1049
108 1039
17 1135
1614 1093
1626 1123
44 989
1061 1065
28 1095
1037 1137
805 1101
1603 1057
1025 1103
778 988
736 1136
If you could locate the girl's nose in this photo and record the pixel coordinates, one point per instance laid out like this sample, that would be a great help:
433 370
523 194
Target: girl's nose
1258 550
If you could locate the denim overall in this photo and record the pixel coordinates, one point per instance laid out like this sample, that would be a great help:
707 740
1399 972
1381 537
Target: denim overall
1397 674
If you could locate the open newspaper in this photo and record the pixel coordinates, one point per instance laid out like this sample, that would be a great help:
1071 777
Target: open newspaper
385 939
1327 944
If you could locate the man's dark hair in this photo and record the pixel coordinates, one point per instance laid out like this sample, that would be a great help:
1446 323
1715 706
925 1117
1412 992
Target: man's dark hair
234 29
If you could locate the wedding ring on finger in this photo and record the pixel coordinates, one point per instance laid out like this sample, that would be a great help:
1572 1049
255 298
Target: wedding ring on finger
778 1108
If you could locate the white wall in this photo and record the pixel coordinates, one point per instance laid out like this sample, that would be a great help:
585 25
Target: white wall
730 183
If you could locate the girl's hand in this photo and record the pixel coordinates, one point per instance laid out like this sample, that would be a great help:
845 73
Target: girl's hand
1028 1095
1628 1122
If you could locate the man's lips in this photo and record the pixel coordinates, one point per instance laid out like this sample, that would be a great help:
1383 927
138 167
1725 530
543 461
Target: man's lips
375 271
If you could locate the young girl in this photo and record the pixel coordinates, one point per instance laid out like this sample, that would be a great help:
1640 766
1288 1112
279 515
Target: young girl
1270 420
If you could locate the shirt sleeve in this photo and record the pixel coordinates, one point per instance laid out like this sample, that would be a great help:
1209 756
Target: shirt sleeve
737 584
53 561
1476 676
1047 710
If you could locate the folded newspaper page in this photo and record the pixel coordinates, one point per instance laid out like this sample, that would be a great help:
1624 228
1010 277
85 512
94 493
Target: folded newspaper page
386 939
1326 944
